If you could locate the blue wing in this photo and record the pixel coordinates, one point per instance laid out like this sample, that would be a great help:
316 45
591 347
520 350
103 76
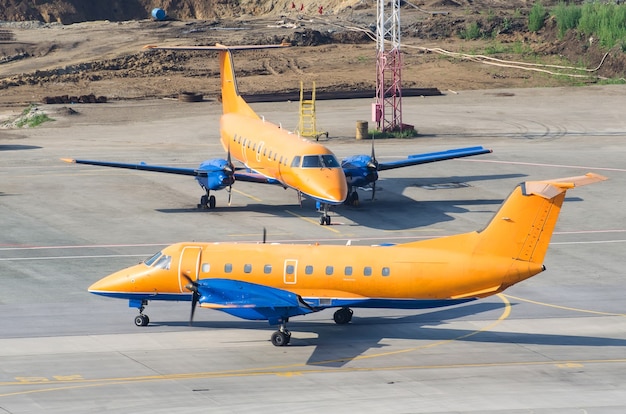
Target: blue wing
214 174
142 166
250 300
433 157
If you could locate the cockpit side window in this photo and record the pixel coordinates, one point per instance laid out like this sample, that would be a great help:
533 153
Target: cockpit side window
329 161
151 260
163 262
296 161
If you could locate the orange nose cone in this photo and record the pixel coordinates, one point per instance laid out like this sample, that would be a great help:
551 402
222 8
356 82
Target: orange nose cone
117 282
111 283
330 186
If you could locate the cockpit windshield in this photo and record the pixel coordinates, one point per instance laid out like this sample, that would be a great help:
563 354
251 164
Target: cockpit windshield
151 260
159 261
320 161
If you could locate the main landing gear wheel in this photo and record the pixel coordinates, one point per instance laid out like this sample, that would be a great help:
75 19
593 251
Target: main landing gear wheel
343 316
281 338
207 202
325 220
142 320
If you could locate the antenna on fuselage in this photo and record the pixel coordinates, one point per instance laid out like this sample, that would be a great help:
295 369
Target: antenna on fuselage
264 235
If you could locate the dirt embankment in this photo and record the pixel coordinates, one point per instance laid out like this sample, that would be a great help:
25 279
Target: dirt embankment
333 39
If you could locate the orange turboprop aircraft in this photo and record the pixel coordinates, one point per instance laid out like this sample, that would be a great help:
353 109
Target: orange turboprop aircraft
277 156
275 282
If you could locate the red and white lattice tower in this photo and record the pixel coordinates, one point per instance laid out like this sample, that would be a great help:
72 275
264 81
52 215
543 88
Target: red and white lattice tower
387 110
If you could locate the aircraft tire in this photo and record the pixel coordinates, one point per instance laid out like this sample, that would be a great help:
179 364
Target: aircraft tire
343 316
142 320
280 338
212 202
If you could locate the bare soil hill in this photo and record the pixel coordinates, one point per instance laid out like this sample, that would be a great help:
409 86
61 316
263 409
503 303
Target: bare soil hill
74 48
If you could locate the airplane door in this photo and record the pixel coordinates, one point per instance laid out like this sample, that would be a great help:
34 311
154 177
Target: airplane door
290 271
189 265
258 151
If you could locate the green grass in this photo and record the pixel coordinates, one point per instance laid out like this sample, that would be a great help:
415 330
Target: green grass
471 32
30 119
33 121
537 16
604 21
407 133
567 17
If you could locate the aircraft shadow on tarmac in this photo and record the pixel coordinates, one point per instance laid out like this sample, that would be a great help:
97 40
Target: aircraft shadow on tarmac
389 211
18 147
337 345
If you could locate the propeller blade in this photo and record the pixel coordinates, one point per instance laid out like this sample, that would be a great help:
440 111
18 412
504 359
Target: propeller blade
194 302
195 297
232 173
373 190
373 156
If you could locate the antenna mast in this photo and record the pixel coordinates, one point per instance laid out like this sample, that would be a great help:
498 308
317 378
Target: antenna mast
387 110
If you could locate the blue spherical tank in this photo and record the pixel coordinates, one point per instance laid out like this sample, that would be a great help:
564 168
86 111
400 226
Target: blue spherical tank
158 14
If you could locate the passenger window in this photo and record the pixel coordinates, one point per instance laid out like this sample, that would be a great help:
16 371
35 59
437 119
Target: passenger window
254 147
296 161
206 267
281 160
348 271
228 268
367 271
267 269
329 270
386 271
308 270
289 269
247 268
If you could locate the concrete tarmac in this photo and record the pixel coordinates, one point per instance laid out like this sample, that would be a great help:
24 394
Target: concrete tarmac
553 344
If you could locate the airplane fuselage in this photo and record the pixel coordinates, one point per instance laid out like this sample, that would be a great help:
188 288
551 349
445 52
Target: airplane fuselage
325 276
281 155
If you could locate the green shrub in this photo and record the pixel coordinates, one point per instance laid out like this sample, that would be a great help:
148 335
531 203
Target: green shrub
471 32
536 17
567 17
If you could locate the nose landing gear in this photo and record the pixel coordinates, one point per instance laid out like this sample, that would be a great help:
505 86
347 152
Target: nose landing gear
141 319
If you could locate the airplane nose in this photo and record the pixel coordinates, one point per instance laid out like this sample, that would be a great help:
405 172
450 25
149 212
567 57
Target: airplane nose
336 189
114 283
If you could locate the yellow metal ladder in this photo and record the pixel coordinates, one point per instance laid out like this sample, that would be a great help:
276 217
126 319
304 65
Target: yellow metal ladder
308 126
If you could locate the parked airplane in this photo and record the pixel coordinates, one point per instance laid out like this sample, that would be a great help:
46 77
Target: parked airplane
275 282
273 155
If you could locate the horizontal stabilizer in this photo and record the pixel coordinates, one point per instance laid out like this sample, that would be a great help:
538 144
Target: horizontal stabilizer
551 188
217 47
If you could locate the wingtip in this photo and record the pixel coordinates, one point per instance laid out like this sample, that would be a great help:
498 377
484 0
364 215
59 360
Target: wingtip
69 160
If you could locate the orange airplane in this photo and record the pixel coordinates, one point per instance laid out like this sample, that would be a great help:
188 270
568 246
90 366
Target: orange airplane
275 282
273 155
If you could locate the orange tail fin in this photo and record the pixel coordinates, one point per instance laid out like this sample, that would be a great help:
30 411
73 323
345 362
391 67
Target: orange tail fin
523 226
232 102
